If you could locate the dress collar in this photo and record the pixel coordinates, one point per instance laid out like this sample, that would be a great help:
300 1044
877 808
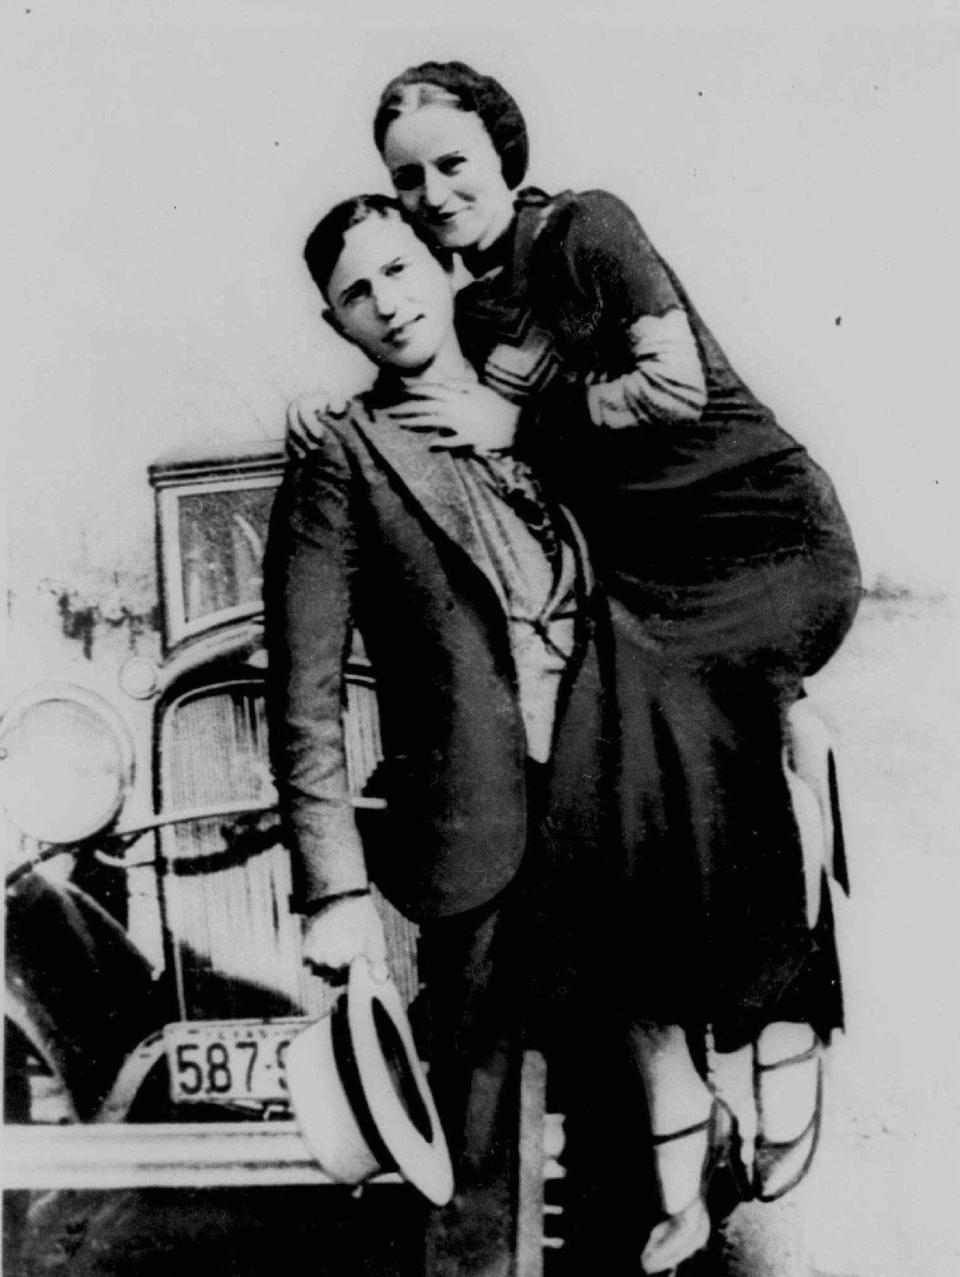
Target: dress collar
482 262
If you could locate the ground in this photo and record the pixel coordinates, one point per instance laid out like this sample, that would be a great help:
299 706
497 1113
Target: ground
881 1200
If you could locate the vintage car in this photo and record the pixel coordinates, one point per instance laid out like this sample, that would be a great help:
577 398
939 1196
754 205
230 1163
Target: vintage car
153 971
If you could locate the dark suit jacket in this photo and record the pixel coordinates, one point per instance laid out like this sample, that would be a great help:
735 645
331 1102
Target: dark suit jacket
371 530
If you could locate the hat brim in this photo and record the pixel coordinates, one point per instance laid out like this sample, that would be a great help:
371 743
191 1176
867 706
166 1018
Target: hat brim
360 1094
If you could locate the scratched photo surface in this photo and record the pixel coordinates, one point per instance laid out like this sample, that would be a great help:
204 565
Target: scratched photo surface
796 168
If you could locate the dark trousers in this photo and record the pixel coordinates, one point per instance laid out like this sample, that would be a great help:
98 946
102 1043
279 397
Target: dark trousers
526 970
474 972
479 971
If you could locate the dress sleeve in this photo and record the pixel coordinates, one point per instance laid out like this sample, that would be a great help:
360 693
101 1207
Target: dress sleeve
307 601
620 290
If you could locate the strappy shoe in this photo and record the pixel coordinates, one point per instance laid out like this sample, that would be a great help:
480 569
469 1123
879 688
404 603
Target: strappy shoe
678 1236
780 1165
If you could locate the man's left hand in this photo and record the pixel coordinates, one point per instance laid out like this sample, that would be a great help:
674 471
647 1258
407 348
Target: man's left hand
349 927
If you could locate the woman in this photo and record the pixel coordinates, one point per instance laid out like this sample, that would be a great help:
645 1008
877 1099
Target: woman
731 576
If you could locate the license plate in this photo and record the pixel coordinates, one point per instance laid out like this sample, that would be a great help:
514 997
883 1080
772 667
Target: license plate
228 1060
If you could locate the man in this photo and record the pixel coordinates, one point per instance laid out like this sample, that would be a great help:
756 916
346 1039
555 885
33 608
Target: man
473 598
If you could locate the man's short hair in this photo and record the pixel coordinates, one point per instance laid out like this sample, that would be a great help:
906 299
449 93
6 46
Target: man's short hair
325 242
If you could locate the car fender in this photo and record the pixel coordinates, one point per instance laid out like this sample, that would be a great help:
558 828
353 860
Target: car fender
77 988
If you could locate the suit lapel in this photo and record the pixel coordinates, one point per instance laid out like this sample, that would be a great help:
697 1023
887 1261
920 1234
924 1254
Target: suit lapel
431 479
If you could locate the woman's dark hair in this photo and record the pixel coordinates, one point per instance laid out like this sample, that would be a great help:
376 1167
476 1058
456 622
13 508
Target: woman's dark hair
325 242
458 85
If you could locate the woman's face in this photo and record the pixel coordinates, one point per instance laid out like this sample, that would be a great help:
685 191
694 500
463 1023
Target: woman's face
447 175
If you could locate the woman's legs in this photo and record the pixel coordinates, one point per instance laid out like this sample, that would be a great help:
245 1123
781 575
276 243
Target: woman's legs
788 1084
789 1080
772 1088
679 1105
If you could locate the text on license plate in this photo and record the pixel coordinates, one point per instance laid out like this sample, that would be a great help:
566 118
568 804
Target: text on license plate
213 1060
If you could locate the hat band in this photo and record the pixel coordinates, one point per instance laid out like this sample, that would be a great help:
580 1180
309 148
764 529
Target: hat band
349 1072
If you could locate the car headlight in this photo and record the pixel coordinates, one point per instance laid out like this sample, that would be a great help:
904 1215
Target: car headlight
66 763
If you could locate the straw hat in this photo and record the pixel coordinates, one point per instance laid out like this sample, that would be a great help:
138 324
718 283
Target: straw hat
359 1091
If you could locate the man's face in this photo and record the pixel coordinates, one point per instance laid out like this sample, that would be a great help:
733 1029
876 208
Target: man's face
390 296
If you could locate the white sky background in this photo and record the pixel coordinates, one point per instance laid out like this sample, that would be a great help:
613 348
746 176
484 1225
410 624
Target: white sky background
797 165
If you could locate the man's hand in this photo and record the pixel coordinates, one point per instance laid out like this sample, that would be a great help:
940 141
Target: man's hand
340 933
305 421
460 415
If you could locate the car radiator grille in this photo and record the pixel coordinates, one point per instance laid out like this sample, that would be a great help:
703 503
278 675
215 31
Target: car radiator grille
235 943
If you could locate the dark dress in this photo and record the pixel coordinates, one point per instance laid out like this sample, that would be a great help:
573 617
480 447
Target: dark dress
732 576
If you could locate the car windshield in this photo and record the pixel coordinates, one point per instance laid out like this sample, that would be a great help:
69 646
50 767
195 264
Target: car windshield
221 537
